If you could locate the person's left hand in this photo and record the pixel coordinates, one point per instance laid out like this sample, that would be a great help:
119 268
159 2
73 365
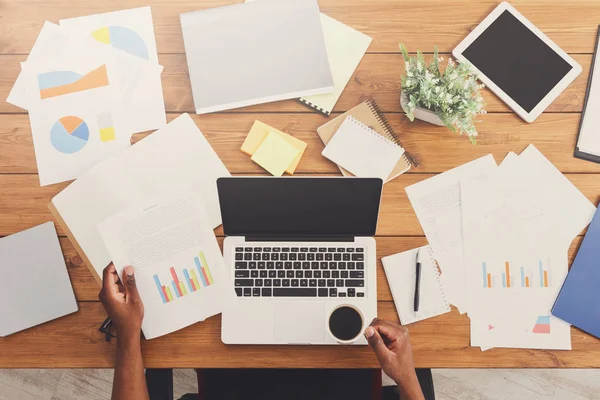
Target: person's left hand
122 301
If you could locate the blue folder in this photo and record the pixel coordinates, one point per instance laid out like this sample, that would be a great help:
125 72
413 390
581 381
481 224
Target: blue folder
578 302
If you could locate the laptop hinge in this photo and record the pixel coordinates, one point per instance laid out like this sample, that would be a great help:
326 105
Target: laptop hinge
307 238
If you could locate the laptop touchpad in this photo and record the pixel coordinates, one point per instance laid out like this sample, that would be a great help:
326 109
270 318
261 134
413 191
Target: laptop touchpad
297 322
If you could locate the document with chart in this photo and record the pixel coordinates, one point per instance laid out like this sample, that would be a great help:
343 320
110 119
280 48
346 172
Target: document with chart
178 265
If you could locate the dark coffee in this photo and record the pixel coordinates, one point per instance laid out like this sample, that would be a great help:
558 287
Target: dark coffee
345 323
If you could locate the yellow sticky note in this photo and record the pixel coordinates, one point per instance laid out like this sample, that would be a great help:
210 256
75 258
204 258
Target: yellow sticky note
260 131
275 154
107 134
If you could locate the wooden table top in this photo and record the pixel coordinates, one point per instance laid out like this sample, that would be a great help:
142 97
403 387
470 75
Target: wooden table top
74 341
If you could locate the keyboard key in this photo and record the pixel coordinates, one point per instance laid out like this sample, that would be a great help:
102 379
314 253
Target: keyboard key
273 274
351 292
322 249
270 265
262 265
303 282
314 249
330 282
255 292
294 292
342 265
285 249
360 294
310 257
323 292
345 274
275 256
326 274
248 249
247 292
295 283
305 265
248 256
239 256
351 265
350 250
360 265
241 265
239 291
266 292
294 249
304 249
342 294
276 282
322 282
279 265
256 257
320 257
293 256
283 257
288 265
297 265
268 249
276 249
358 257
289 274
314 265
333 292
331 250
340 249
312 282
360 250
302 257
324 265
239 249
252 265
346 257
268 282
253 274
328 257
357 274
263 274
336 257
308 274
354 283
257 249
242 274
281 274
299 274
258 282
285 283
317 274
335 274
333 265
339 282
266 256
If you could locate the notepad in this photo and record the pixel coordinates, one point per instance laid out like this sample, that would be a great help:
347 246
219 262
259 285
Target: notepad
260 131
400 270
275 154
362 151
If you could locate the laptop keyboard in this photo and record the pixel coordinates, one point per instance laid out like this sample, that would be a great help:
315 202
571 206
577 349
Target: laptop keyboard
300 271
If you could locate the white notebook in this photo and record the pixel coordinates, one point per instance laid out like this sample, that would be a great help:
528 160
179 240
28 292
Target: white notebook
400 270
362 151
253 53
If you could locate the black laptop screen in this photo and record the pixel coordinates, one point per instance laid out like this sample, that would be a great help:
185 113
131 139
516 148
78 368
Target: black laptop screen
299 206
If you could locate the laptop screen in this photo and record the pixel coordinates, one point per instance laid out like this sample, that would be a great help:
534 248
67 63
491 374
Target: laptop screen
299 206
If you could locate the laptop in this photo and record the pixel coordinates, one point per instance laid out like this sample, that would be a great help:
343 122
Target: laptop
296 249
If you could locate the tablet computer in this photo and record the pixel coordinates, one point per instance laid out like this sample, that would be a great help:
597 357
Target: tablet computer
517 61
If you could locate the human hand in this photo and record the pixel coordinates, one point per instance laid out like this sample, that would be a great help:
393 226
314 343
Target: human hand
391 345
122 302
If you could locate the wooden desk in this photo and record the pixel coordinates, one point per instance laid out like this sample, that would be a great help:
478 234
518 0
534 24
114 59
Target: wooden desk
74 342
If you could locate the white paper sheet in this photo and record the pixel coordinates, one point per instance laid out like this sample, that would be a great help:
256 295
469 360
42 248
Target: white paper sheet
180 273
131 31
176 160
400 270
437 203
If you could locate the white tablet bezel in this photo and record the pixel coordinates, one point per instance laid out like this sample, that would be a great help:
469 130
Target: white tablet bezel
551 96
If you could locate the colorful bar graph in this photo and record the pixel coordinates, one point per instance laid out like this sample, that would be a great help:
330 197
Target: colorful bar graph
195 280
169 295
541 273
522 276
545 278
206 269
182 288
176 290
485 276
489 280
507 274
504 279
527 281
163 288
189 281
159 286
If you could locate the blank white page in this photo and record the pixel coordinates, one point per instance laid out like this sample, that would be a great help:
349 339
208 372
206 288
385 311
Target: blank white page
362 151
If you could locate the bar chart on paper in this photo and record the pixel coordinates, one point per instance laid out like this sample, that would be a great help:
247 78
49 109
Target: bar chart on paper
532 274
187 281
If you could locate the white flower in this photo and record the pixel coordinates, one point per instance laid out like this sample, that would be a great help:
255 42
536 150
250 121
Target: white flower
408 82
409 74
407 66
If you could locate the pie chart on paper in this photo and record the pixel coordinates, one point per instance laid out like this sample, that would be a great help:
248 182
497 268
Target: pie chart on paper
69 134
122 38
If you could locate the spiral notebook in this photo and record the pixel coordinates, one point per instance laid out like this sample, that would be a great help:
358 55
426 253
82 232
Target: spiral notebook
400 270
362 151
369 114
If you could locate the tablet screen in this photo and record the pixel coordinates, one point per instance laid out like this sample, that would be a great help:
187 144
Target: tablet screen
517 61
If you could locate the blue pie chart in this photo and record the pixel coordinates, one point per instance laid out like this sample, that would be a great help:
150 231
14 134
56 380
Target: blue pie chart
69 134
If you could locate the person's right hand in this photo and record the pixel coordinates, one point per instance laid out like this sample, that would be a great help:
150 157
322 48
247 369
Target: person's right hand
392 347
122 302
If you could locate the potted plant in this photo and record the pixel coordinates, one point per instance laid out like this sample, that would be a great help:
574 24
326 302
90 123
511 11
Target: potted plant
449 98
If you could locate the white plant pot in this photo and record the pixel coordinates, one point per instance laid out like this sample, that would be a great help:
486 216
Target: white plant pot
422 113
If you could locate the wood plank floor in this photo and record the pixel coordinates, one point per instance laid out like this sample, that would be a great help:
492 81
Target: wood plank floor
96 384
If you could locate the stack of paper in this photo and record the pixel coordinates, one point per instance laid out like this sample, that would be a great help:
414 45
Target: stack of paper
89 84
275 151
501 235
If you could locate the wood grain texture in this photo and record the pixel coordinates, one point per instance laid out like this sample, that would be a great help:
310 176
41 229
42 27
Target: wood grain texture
378 76
435 148
420 24
441 342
